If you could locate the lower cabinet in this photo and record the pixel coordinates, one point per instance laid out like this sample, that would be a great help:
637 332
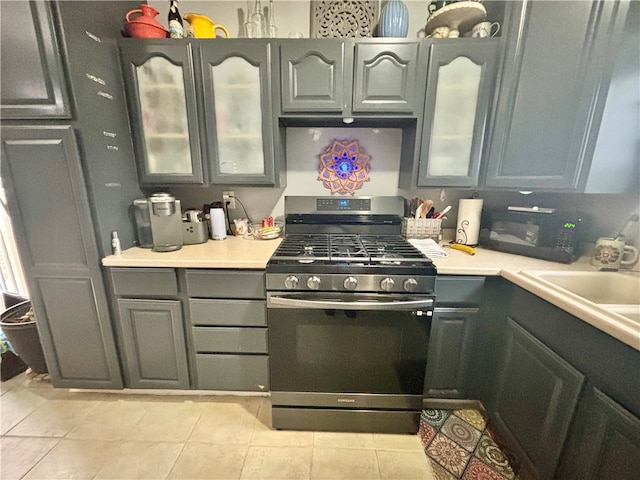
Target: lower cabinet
605 442
536 394
153 344
452 335
227 311
449 352
150 328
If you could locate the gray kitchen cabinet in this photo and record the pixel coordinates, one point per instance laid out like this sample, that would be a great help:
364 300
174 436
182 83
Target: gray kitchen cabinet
201 112
150 327
227 312
459 94
452 336
535 397
153 343
605 444
33 76
449 352
557 67
51 217
345 78
161 93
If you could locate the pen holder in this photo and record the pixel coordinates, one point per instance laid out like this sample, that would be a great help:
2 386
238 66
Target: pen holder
422 228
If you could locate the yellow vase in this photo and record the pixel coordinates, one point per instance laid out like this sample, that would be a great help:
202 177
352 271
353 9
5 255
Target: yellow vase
203 27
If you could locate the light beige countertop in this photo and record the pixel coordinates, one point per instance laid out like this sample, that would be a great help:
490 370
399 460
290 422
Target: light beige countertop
238 253
232 252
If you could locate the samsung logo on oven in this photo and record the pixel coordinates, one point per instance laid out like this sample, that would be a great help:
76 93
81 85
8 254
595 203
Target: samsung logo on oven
346 400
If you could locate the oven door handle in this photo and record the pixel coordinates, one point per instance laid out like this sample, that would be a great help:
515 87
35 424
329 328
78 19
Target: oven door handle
287 302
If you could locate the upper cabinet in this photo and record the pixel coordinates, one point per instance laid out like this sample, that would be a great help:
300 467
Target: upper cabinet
344 77
33 76
460 88
201 111
557 67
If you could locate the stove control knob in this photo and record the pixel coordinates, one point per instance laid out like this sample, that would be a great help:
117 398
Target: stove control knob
291 282
387 284
313 283
410 285
350 283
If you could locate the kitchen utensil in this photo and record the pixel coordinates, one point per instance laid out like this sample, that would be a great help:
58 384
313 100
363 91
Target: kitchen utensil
194 233
458 16
613 254
145 24
166 222
201 26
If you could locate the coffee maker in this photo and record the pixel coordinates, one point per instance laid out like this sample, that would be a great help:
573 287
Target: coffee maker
159 215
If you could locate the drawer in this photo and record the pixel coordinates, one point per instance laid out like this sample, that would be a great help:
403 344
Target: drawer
225 283
247 313
152 282
233 372
229 340
458 290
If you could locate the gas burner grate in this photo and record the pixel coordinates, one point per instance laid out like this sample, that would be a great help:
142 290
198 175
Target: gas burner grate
303 248
348 248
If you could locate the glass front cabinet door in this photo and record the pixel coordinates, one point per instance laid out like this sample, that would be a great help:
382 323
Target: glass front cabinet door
201 111
162 109
239 134
460 85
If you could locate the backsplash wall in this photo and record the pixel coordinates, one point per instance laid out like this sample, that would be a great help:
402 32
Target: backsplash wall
604 214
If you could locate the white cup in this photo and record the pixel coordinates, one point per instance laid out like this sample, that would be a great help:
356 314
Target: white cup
483 30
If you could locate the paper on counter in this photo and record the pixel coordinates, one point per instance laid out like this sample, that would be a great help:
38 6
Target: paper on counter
429 247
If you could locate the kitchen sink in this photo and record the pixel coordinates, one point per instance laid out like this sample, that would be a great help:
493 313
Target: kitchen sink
614 288
617 292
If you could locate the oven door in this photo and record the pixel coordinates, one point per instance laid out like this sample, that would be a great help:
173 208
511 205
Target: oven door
335 350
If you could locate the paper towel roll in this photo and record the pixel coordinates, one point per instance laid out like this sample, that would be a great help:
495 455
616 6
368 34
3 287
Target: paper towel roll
468 226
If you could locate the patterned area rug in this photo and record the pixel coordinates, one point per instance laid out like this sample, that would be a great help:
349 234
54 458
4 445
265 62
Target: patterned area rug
461 446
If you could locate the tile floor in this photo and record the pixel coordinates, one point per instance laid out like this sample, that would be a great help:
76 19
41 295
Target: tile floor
52 433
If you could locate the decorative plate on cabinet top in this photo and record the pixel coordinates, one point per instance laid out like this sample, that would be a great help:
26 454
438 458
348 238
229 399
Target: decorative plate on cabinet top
343 18
459 17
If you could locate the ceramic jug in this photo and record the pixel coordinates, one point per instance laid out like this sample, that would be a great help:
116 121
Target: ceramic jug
201 26
145 24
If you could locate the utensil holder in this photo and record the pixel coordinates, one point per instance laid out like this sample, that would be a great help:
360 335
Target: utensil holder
422 228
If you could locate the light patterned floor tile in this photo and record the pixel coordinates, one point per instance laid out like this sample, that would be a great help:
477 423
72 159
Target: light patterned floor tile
171 421
141 460
408 442
110 421
54 418
225 423
277 463
76 459
209 461
19 454
352 464
16 405
343 440
404 465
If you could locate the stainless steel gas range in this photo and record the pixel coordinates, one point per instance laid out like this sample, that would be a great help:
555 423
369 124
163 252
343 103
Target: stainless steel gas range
349 308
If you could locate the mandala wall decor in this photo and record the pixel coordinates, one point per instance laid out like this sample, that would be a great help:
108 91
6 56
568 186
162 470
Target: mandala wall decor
344 167
343 18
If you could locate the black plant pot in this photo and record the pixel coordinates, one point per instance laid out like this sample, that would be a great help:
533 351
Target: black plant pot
23 336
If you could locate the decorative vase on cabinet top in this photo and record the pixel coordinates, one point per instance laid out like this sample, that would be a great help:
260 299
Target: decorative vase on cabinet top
394 19
144 25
